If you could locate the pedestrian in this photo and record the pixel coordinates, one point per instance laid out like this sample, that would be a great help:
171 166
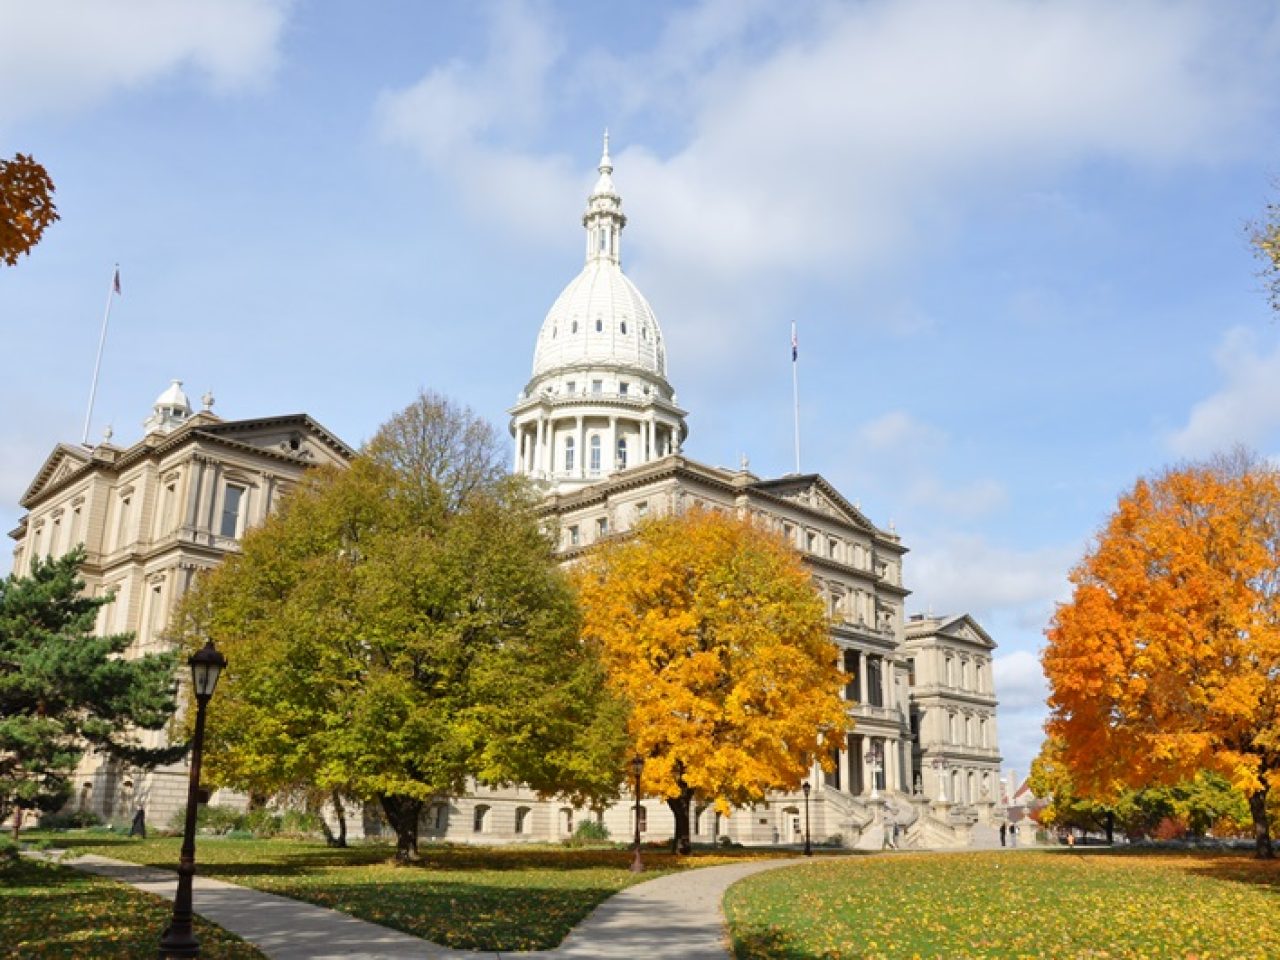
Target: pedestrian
1013 834
139 826
1004 829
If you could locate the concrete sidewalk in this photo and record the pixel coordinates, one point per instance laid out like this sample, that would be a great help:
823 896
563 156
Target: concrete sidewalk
676 917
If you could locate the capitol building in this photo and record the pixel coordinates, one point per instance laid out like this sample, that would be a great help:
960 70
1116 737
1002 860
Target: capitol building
599 430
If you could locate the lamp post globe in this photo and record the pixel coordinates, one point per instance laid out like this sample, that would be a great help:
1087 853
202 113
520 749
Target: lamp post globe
808 845
637 768
179 939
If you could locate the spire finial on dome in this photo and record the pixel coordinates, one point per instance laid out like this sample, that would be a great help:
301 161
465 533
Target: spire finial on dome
606 165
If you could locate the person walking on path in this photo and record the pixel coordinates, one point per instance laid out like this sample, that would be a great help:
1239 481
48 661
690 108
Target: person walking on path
1004 829
1013 834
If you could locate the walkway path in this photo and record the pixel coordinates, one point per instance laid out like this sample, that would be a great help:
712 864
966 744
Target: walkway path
675 917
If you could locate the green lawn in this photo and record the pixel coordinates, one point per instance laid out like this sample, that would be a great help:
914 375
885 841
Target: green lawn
494 898
48 911
1012 905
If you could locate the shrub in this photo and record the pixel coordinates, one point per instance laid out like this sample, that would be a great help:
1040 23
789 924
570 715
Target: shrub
239 835
8 850
261 823
70 820
213 818
727 842
300 823
591 831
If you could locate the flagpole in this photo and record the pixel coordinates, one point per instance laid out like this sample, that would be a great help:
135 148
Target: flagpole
795 389
112 290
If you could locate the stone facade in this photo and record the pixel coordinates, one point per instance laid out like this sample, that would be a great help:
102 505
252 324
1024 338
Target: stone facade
152 516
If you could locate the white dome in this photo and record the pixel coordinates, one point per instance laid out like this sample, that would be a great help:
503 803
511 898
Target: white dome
600 319
173 397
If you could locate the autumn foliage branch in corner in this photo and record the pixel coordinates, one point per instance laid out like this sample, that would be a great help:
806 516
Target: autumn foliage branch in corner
1166 660
26 206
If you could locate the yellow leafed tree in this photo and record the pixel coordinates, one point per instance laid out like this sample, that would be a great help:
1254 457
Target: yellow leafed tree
711 629
1166 660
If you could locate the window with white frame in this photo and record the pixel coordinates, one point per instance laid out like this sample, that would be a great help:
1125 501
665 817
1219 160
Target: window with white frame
568 454
595 453
233 504
480 818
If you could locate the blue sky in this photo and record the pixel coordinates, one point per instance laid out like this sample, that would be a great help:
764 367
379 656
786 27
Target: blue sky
1012 236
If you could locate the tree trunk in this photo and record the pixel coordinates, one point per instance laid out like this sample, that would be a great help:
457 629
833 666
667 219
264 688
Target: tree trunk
1111 828
680 806
1261 825
341 814
17 823
403 814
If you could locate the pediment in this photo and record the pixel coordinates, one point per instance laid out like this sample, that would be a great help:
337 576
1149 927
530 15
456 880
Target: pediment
815 493
64 461
964 628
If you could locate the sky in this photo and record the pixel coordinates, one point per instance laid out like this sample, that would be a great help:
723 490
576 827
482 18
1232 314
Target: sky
1012 237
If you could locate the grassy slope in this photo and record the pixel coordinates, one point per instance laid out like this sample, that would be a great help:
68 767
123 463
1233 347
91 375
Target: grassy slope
48 911
1012 905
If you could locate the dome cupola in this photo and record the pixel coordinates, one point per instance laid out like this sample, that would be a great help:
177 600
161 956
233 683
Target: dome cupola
170 411
598 400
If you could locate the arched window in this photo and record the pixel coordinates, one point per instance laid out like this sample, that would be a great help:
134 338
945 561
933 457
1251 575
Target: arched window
622 453
480 819
595 453
574 328
599 325
522 819
624 327
568 454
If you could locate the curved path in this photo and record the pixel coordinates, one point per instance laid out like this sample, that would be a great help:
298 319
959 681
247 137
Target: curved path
674 917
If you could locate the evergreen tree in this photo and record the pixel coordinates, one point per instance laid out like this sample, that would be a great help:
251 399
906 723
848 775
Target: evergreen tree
64 689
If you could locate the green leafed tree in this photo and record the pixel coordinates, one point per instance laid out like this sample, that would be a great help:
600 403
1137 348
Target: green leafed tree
401 628
63 688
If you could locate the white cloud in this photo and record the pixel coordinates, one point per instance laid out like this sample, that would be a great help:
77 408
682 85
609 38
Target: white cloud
962 572
68 54
1020 680
460 117
822 139
914 454
1246 409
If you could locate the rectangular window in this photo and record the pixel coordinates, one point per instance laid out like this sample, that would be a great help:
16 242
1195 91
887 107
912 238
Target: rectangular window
232 500
875 689
623 387
122 528
574 536
571 388
602 527
568 456
851 670
597 387
642 508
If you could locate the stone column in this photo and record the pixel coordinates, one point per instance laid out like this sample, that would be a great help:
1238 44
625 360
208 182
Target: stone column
862 677
610 460
538 445
580 441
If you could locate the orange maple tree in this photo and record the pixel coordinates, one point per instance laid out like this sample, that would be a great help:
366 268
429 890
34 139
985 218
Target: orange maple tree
1166 660
26 206
712 630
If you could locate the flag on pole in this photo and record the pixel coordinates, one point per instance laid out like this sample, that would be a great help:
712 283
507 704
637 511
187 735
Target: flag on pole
795 344
115 283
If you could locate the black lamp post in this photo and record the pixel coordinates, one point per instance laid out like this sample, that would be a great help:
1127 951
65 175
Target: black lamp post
179 940
637 767
808 846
